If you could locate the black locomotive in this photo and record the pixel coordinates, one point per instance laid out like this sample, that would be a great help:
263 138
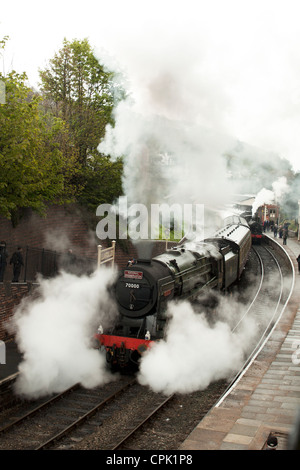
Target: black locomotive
143 290
256 231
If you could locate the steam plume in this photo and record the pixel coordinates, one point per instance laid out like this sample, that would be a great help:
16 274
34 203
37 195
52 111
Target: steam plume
195 352
54 333
266 196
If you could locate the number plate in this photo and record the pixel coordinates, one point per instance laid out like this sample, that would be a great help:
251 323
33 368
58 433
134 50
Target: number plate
133 274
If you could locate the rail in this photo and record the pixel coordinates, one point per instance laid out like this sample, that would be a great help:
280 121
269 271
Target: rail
131 433
78 422
64 427
268 330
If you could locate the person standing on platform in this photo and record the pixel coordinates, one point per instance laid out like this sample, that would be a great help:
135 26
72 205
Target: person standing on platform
17 261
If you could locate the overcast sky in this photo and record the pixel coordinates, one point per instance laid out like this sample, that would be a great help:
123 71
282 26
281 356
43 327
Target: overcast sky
232 66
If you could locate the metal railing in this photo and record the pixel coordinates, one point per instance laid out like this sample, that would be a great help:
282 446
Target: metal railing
39 261
47 263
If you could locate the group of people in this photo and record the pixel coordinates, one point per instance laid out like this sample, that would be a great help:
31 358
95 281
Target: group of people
16 260
281 230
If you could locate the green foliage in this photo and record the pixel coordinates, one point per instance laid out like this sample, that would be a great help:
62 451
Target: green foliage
33 170
102 181
48 142
3 42
172 234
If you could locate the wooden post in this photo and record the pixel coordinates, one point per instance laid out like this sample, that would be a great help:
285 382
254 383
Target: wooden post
106 255
99 255
114 252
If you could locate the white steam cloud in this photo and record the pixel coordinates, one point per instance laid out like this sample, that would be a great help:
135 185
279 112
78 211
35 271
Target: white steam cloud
196 351
170 129
54 331
167 160
175 130
267 196
203 64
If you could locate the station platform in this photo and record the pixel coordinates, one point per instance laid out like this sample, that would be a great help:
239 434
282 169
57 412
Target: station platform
13 358
265 401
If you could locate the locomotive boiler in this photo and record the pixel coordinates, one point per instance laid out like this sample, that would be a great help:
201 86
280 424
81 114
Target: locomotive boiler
143 290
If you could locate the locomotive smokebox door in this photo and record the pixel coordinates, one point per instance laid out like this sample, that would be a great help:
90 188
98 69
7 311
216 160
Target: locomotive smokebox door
136 288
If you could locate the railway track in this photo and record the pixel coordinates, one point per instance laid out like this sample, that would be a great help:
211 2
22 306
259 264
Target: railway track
268 297
71 416
160 403
52 420
116 430
273 289
125 415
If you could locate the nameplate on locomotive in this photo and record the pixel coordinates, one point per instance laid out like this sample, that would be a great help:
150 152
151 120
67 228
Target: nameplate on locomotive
133 274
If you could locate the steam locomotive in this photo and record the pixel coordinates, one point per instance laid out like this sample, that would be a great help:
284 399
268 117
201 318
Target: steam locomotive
143 290
256 231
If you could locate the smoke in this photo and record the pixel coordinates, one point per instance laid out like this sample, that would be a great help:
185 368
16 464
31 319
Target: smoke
266 196
169 130
167 160
57 240
175 129
54 331
280 188
196 350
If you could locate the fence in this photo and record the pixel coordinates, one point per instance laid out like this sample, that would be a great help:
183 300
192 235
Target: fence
106 255
47 263
39 261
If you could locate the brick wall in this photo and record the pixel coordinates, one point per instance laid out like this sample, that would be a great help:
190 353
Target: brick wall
10 296
62 228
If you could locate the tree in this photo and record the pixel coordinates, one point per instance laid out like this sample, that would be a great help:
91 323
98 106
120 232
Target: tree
33 170
81 92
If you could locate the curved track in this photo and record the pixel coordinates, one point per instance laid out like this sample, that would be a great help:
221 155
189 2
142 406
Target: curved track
274 288
268 297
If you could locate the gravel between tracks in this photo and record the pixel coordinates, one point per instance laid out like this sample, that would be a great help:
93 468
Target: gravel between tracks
165 431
